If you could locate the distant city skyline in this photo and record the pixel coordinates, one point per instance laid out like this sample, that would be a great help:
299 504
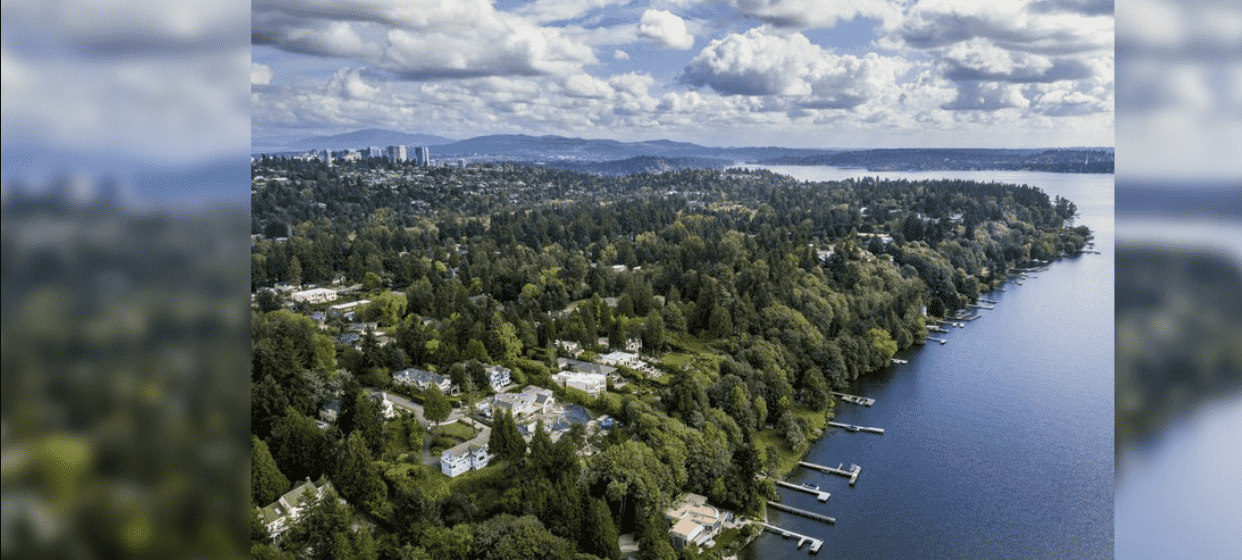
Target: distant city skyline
796 73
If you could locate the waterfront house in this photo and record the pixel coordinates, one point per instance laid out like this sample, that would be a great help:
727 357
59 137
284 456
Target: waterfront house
693 521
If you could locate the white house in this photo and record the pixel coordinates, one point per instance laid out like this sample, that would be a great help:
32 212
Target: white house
532 400
463 457
285 511
498 376
694 522
343 308
591 383
570 347
621 359
314 295
385 405
422 379
584 367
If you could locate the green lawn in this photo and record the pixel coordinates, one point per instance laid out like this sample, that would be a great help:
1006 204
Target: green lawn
456 430
788 458
676 359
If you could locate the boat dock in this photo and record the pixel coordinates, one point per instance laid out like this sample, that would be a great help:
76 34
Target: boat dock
940 340
937 328
802 539
802 512
988 301
900 361
978 306
852 474
854 399
854 428
821 496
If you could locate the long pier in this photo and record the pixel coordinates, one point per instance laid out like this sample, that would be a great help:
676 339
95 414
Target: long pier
802 539
802 512
940 340
855 399
852 474
821 496
854 428
978 306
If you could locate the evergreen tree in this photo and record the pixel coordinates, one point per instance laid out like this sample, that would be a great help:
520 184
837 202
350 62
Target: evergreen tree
599 534
266 481
653 333
505 441
540 457
436 406
357 476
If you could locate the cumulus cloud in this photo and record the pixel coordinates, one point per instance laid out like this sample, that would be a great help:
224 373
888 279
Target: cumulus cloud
980 59
762 63
665 30
1089 7
620 55
806 14
260 74
985 96
309 36
134 28
1011 25
418 41
545 11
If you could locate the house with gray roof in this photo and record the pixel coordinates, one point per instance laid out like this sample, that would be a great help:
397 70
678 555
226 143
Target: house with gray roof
282 514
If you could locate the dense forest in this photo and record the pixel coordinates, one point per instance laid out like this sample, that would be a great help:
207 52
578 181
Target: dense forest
753 294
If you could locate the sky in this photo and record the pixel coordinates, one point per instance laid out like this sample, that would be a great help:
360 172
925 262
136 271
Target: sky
799 73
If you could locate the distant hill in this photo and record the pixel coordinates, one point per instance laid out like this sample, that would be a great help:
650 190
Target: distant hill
569 153
640 164
364 138
1061 160
525 147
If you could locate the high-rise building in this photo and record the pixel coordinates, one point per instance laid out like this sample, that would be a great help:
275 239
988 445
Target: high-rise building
375 152
422 156
396 154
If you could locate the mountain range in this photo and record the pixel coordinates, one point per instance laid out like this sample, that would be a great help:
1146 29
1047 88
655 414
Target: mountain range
550 148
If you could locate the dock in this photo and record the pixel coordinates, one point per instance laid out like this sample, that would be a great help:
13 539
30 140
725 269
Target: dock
821 496
988 301
900 361
978 306
852 474
855 399
854 428
816 544
937 328
802 512
940 340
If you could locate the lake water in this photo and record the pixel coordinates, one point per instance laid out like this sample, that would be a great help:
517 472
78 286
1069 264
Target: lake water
998 444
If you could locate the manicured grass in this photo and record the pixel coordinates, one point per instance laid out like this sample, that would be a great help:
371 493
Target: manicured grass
727 539
472 480
455 430
676 359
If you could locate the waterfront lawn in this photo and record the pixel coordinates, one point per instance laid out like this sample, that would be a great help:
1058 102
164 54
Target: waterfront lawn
787 457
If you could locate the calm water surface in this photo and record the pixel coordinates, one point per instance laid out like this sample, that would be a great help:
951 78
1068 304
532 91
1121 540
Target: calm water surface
998 444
